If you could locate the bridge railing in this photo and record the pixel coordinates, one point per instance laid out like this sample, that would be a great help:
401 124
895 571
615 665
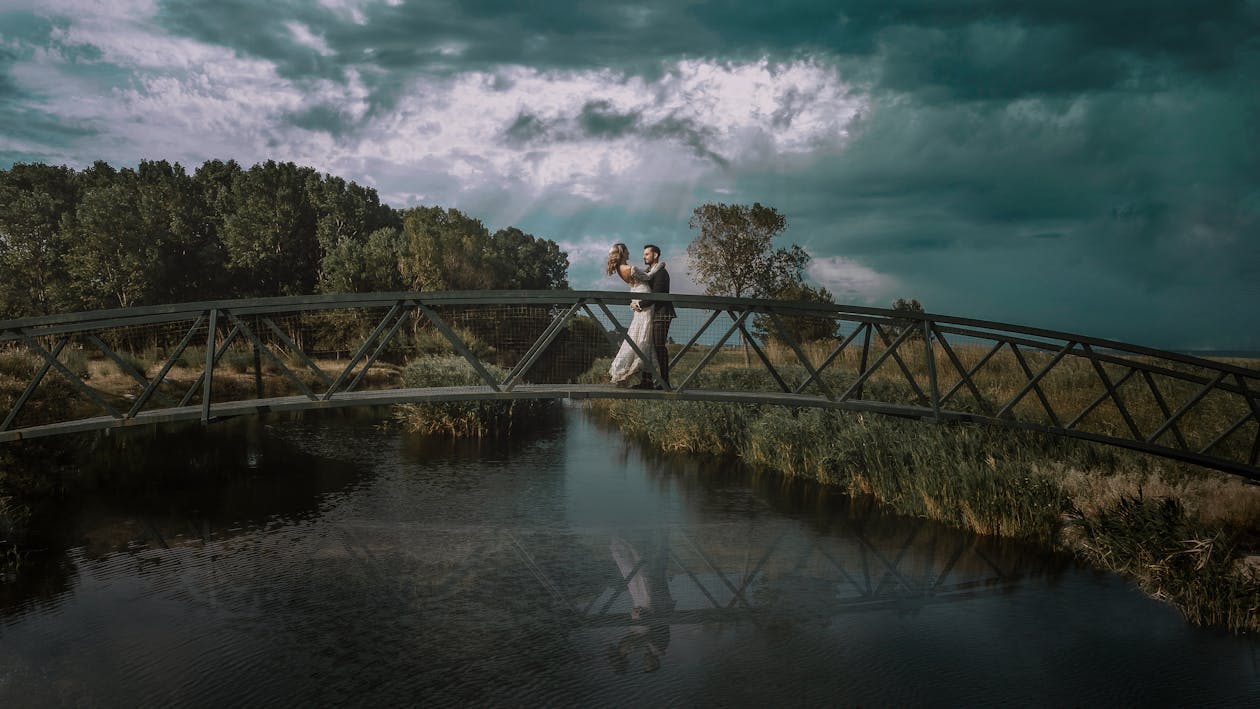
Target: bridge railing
105 369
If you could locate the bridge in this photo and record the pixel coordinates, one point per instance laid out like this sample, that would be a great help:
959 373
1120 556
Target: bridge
109 369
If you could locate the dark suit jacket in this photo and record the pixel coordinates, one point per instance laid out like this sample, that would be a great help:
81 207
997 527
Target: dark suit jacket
659 283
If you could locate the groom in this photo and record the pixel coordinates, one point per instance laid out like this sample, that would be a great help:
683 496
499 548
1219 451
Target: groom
662 314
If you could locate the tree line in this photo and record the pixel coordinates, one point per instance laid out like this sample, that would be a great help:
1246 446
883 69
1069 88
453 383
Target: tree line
106 238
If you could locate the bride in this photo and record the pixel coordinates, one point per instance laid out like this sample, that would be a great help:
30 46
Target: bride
627 364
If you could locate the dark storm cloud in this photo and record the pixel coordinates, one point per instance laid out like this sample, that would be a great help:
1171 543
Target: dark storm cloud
600 120
1102 212
993 48
525 129
326 119
934 51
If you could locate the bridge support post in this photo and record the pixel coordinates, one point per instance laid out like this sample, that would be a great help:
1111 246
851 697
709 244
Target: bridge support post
258 385
207 382
931 366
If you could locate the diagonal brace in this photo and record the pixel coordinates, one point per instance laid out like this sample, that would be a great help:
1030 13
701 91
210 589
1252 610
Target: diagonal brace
800 355
363 350
125 367
458 344
323 376
151 389
827 362
540 345
867 372
71 377
301 385
32 385
1033 380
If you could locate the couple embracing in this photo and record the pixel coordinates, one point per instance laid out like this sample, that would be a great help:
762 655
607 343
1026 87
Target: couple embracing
650 327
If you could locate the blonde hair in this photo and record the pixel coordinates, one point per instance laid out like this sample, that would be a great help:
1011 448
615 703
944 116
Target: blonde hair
617 255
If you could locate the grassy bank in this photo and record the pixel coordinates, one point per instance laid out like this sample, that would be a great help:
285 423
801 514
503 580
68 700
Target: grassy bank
464 419
1181 532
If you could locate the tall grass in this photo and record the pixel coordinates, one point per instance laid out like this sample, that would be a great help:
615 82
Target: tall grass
464 419
991 480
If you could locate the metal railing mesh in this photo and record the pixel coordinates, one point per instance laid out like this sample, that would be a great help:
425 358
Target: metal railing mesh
91 371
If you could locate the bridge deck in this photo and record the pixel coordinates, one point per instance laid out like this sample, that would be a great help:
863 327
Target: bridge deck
318 351
228 409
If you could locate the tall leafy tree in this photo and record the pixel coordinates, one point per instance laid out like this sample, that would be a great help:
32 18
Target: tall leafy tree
900 325
525 262
114 257
34 199
268 231
732 254
444 250
351 266
177 223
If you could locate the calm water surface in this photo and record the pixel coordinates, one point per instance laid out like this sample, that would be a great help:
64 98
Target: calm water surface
330 561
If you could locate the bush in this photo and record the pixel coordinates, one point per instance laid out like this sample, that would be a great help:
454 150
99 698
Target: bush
464 419
76 362
136 362
429 342
193 357
18 364
238 360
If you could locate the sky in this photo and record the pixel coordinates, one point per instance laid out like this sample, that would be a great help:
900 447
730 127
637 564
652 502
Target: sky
1082 165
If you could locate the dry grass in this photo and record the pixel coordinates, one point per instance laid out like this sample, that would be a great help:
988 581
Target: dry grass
994 481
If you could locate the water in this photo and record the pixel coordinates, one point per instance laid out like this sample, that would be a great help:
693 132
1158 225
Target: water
326 561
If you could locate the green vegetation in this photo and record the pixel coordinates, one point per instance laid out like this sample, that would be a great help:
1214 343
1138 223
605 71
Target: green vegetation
1181 532
106 238
464 419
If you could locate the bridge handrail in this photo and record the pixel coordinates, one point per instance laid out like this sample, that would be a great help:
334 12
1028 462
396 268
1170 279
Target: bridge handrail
63 323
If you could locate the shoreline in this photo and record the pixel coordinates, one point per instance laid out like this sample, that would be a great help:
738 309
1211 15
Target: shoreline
1167 528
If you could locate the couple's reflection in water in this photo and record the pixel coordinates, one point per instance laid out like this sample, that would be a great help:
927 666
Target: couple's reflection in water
783 579
644 568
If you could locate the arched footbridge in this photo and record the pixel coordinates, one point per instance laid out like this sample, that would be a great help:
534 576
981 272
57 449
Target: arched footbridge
100 370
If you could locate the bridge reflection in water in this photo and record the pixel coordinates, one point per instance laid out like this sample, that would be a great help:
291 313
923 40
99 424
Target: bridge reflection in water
776 574
108 369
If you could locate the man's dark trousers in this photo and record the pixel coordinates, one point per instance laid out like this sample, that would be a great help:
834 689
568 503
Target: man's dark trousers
660 336
662 314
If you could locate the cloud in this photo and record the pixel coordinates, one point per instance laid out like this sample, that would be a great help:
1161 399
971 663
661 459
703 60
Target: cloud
588 135
850 281
1081 165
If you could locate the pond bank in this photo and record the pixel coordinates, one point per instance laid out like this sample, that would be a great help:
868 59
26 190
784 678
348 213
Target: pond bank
1181 533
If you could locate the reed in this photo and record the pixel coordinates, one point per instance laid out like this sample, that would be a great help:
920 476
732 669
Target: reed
1013 483
464 419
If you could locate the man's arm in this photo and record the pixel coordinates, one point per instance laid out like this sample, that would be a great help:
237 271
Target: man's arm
638 275
659 281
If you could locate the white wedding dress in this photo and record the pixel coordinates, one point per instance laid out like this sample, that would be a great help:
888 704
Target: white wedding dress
627 364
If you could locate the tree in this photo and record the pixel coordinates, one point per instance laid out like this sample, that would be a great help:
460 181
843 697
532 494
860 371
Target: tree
34 199
525 262
802 328
732 254
176 222
268 232
114 257
449 250
900 325
444 251
351 266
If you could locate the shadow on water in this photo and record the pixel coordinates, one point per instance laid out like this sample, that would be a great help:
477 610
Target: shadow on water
169 486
